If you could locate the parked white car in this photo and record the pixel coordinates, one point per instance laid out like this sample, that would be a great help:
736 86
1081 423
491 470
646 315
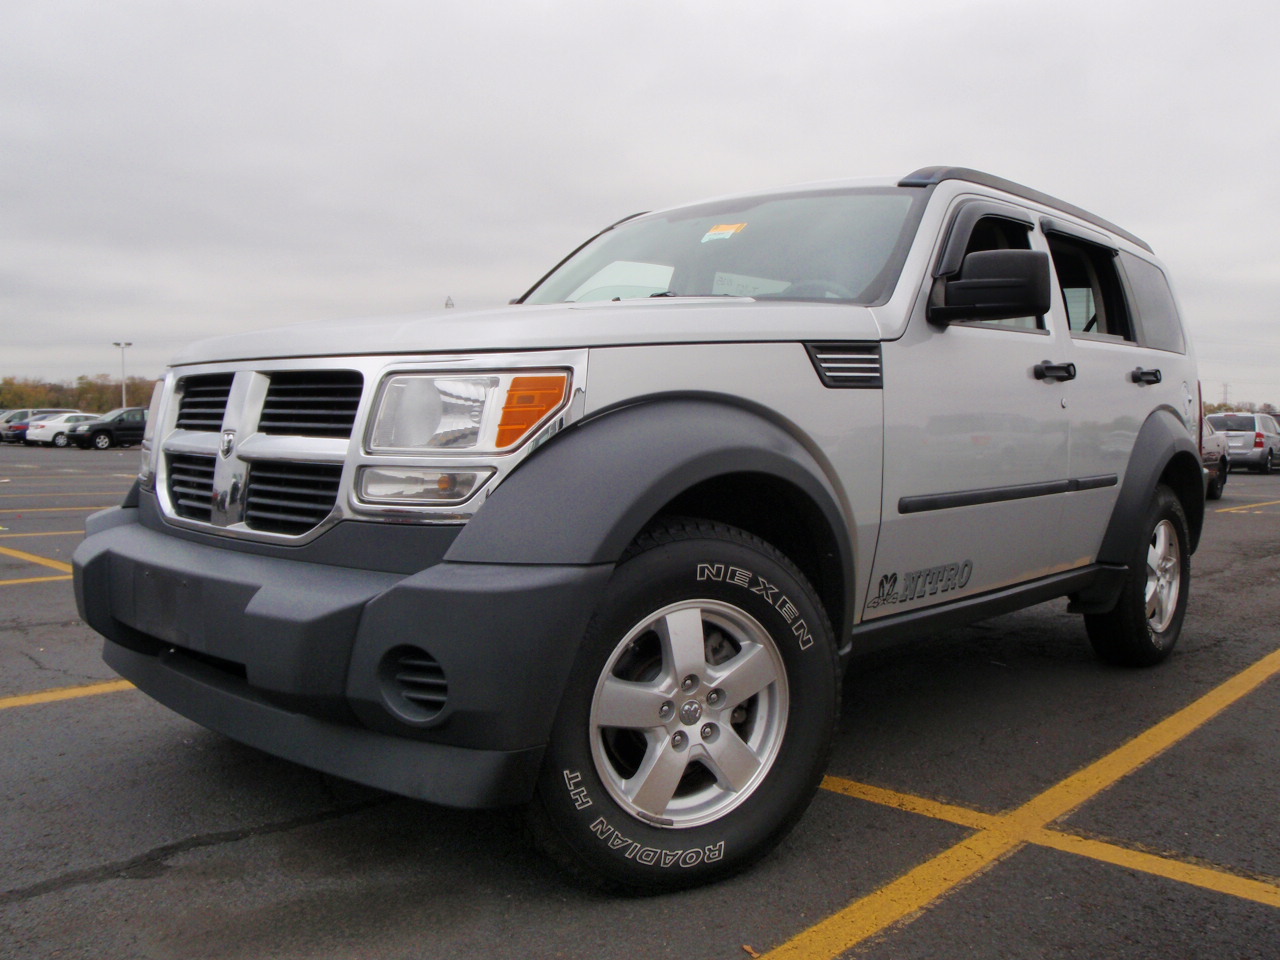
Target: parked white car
51 431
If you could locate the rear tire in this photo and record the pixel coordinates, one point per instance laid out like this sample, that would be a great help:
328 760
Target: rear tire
1144 626
696 725
1214 490
59 439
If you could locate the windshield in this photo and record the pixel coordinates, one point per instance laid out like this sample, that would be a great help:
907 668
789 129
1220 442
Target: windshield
844 245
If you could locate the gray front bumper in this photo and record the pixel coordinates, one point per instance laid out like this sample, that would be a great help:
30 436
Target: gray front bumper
289 656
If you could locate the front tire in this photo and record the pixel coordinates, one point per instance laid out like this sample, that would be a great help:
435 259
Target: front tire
1144 626
696 724
101 441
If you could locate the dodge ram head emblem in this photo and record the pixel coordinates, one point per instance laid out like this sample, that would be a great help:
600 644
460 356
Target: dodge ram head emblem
228 443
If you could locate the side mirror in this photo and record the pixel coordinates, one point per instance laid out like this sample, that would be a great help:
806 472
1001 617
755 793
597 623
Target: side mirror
996 285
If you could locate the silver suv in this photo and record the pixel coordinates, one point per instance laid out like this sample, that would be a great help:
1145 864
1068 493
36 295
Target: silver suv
605 552
1253 439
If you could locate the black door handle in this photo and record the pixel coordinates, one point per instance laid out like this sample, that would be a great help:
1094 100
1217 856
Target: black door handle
1048 370
1145 376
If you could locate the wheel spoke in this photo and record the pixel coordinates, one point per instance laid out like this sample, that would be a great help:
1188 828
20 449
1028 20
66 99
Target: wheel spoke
654 784
746 675
731 760
684 649
622 703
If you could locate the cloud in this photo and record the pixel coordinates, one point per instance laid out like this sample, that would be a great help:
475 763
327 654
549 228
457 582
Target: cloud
171 170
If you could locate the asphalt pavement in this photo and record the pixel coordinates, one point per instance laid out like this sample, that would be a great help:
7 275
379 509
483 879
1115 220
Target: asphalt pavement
994 792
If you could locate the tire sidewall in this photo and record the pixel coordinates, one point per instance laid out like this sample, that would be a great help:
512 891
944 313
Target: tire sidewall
611 842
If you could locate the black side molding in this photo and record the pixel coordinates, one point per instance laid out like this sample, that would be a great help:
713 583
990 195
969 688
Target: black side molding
1023 491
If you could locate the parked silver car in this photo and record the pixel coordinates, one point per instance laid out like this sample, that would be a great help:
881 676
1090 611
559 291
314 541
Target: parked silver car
1254 439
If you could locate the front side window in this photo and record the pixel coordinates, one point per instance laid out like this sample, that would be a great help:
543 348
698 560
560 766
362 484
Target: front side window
840 245
999 233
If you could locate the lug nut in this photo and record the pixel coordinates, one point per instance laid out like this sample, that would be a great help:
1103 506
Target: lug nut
709 731
678 740
715 698
689 683
666 711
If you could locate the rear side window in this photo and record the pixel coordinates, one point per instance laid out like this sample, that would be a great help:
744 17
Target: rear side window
1156 313
1091 289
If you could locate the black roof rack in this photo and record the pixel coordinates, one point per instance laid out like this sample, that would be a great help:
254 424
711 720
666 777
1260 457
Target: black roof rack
931 176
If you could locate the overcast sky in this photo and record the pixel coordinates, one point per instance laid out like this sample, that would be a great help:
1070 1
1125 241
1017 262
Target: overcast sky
171 170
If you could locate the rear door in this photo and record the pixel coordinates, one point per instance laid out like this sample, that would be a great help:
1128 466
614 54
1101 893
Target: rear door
130 426
1126 343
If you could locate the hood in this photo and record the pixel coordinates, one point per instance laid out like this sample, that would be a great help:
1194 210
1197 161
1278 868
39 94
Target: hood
547 327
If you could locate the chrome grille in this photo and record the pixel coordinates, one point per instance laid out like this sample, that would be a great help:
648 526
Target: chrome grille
204 401
191 486
290 498
311 403
848 365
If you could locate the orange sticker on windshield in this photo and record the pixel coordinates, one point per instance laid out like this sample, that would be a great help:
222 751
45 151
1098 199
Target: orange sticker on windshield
723 231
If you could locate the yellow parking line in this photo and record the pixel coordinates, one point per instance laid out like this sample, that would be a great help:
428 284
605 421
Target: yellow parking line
47 533
65 693
51 509
72 493
1208 878
14 583
1247 506
32 558
1004 834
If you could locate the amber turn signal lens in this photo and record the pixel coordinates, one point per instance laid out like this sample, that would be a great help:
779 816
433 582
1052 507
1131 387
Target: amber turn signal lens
529 401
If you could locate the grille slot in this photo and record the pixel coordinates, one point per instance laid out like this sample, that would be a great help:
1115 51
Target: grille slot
847 365
290 498
413 683
204 401
312 403
191 486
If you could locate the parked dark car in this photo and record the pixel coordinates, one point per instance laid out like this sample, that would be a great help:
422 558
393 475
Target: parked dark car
13 427
1215 457
1254 439
118 428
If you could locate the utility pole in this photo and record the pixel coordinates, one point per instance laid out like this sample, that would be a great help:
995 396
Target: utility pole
122 344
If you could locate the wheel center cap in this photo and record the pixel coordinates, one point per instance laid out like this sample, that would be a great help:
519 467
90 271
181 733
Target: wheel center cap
691 712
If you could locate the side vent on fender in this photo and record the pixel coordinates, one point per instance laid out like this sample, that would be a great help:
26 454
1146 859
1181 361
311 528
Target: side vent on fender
847 365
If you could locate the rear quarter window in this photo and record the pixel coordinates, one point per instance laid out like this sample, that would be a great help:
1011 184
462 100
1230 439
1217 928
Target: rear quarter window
1155 311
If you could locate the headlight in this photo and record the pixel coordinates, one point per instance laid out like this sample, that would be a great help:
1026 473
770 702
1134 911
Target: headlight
436 413
147 468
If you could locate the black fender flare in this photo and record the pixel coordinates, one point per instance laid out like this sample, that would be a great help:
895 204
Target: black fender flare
586 494
1163 453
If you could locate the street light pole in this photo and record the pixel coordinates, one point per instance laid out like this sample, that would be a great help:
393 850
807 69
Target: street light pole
122 344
